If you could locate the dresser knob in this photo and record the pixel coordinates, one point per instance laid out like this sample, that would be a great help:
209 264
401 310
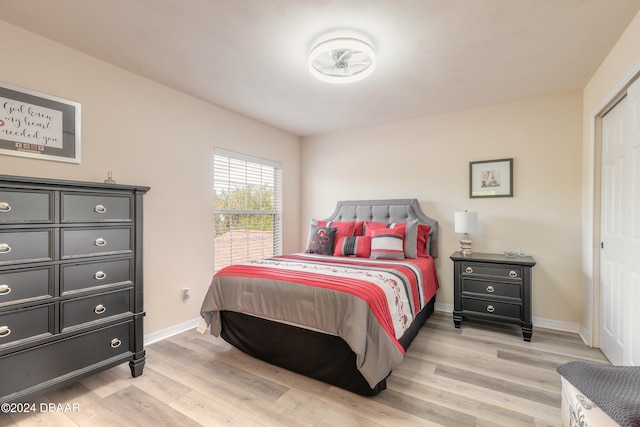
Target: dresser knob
5 290
468 270
490 289
99 309
513 273
115 343
100 275
100 242
490 309
5 207
4 248
100 209
4 331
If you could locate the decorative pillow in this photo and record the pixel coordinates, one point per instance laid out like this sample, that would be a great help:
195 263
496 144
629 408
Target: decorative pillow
411 234
321 240
359 246
359 230
423 240
387 243
345 228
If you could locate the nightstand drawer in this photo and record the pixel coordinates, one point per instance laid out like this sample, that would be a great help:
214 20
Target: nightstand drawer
26 284
96 307
26 323
491 288
79 277
98 208
21 246
491 307
492 270
96 241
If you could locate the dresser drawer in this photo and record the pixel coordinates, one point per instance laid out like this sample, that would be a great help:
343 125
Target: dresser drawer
79 242
96 307
77 277
20 246
492 270
26 284
494 308
33 322
491 288
41 364
93 207
26 207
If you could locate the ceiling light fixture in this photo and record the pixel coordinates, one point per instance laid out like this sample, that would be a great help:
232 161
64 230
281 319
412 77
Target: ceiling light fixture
342 60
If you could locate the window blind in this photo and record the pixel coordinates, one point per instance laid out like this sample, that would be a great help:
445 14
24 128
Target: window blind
247 208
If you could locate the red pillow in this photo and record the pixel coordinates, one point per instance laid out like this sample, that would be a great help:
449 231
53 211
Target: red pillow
345 229
359 246
370 226
423 238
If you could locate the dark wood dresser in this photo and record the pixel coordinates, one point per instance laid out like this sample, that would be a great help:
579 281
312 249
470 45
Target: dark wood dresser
493 287
70 282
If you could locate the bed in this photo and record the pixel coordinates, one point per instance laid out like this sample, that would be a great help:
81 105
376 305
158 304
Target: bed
345 310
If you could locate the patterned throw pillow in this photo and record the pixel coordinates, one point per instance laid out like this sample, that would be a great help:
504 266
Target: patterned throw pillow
321 240
411 234
387 243
359 246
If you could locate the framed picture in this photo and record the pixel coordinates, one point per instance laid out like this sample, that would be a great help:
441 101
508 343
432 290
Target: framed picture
491 178
38 126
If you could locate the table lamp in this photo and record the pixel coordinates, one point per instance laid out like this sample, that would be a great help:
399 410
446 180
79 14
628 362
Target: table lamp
465 222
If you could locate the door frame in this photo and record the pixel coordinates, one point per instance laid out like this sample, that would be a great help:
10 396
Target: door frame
591 228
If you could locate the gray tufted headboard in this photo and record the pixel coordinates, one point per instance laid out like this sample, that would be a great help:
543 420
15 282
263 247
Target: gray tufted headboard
393 210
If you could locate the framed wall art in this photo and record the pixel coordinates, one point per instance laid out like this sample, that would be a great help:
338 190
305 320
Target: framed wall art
38 126
491 178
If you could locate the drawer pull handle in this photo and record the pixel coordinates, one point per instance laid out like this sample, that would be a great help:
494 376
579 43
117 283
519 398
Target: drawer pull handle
99 309
5 290
490 289
5 207
468 270
4 331
115 343
100 242
100 275
513 273
4 248
491 308
100 209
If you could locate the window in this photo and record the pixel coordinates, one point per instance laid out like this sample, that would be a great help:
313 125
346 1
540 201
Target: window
246 207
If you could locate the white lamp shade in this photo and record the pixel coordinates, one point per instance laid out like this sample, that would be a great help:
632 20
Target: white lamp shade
465 222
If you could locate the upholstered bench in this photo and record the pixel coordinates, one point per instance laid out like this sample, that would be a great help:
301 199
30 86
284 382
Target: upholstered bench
600 395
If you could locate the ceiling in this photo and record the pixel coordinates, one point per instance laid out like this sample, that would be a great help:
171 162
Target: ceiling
250 56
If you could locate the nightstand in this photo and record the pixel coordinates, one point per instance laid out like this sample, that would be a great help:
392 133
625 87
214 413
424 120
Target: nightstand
493 287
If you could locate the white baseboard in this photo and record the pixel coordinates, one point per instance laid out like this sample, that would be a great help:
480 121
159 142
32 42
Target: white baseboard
541 322
171 331
446 308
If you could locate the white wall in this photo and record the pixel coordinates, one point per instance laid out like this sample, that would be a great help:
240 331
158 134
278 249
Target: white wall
616 71
428 159
148 134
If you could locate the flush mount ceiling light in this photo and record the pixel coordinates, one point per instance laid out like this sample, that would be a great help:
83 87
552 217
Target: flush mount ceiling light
342 60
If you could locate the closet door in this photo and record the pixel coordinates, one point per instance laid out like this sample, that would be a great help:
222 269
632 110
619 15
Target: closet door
632 249
620 231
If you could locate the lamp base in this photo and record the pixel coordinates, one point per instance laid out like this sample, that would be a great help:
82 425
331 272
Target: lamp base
465 245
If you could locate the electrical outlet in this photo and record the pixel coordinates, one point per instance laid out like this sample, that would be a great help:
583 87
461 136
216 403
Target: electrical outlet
186 293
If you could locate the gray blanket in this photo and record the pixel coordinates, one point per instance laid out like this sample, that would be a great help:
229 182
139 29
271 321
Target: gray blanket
615 389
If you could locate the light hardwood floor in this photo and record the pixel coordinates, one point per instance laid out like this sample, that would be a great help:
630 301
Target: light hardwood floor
479 375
